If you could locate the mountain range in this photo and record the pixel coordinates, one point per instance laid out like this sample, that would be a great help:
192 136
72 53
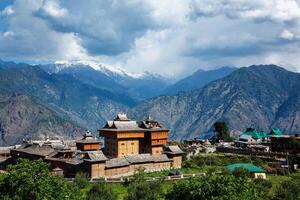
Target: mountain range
82 104
261 96
197 80
22 118
116 80
83 96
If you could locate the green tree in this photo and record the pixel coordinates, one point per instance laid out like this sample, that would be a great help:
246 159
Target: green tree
241 172
81 180
31 180
140 189
288 190
211 187
264 186
101 191
222 131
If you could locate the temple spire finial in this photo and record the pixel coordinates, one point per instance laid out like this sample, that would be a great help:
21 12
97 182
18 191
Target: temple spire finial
121 116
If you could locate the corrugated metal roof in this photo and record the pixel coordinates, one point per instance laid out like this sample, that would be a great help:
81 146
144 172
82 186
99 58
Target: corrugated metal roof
276 131
256 134
246 137
248 166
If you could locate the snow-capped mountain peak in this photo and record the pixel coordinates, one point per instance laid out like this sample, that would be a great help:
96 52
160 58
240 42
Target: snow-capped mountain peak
107 69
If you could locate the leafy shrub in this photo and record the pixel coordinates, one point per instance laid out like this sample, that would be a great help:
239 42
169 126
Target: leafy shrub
215 187
29 180
288 190
101 191
241 172
81 180
140 189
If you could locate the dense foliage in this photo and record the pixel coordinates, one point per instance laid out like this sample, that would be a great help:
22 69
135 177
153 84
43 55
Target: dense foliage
220 160
32 180
216 187
101 191
288 190
140 189
222 131
81 180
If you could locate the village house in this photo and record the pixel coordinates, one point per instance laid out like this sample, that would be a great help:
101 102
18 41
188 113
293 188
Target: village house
286 143
252 138
128 146
255 171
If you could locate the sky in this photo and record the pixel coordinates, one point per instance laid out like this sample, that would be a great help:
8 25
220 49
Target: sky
169 37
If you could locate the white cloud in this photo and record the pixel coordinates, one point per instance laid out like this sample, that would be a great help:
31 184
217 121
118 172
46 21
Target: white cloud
8 34
7 11
286 34
53 9
28 37
276 10
172 37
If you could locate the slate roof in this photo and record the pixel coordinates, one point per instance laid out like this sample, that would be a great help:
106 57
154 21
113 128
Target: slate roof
87 139
122 123
90 141
151 127
149 124
95 156
121 117
74 161
139 158
122 126
161 158
76 158
35 149
174 149
116 162
248 166
135 159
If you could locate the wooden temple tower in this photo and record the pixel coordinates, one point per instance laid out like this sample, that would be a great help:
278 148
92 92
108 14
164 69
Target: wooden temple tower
123 137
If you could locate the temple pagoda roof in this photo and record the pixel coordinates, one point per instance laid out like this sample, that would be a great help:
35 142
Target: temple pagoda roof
87 138
122 123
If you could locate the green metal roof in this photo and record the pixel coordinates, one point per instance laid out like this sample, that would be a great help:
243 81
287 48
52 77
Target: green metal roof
275 131
248 166
256 134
